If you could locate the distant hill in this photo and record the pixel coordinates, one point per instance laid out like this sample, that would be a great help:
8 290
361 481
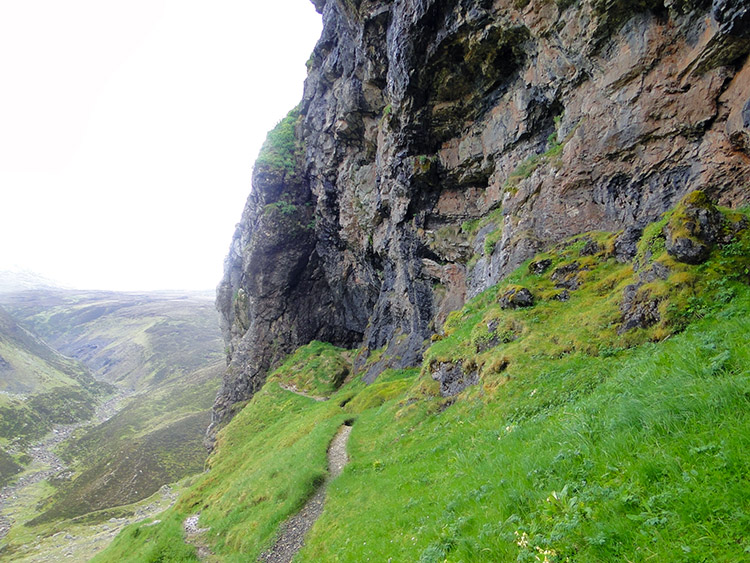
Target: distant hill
40 387
136 340
28 365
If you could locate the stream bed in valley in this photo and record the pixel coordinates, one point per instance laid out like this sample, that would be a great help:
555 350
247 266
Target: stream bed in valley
20 498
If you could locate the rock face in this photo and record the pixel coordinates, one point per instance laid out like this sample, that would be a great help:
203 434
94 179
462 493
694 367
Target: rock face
421 116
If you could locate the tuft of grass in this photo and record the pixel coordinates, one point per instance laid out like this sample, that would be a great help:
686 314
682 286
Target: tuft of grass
281 149
551 155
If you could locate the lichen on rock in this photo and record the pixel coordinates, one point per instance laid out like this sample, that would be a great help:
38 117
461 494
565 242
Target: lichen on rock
455 377
515 297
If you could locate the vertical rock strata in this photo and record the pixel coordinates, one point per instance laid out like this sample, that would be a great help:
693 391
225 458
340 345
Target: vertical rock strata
542 118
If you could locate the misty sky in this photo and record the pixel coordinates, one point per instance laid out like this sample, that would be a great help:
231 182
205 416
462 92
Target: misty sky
128 129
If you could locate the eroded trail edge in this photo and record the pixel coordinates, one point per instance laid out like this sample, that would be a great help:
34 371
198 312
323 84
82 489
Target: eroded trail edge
294 530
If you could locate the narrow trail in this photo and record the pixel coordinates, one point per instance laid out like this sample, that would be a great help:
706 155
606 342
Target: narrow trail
294 530
193 536
293 389
42 455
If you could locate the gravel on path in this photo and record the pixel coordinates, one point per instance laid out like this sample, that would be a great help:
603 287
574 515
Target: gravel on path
293 531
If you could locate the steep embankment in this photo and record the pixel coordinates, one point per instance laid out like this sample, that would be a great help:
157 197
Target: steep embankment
540 426
440 144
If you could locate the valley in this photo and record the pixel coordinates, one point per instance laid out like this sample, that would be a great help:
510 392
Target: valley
154 361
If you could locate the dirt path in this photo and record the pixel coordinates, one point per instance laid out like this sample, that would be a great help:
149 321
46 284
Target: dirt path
43 456
293 389
193 536
294 530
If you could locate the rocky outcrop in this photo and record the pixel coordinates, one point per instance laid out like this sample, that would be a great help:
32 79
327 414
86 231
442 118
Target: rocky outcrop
422 117
454 377
275 295
692 229
516 297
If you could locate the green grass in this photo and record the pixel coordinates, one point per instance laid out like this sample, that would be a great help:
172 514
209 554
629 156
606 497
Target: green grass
42 387
8 467
281 149
30 366
616 459
316 369
273 455
579 443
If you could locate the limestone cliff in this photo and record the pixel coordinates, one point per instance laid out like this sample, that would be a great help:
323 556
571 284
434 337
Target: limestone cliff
543 118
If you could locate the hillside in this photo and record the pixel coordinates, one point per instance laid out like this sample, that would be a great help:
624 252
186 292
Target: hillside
509 243
29 365
40 388
133 340
536 429
488 300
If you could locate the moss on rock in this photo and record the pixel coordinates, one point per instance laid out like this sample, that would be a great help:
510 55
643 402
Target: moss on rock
693 228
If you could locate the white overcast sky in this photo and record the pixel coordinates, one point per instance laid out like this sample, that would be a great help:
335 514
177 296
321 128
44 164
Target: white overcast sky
128 129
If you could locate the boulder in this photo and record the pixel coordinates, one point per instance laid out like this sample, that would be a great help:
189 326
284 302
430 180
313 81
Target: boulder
638 309
626 245
538 267
566 276
693 228
590 248
454 378
516 297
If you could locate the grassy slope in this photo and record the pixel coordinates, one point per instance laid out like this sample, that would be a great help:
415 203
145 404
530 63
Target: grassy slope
578 445
156 439
8 467
29 366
